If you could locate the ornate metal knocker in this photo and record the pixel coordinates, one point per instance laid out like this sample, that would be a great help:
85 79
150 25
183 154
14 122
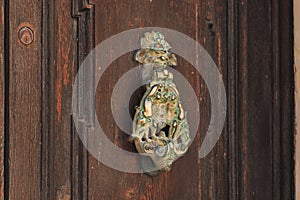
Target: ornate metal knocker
160 128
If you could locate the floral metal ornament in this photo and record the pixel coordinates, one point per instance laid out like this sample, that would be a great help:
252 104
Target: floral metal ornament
160 127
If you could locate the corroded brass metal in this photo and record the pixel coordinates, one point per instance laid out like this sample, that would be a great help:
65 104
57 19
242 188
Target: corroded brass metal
160 128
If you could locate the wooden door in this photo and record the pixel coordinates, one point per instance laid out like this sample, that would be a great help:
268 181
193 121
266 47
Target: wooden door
41 156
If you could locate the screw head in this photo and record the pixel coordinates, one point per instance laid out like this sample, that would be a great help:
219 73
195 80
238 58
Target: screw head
26 35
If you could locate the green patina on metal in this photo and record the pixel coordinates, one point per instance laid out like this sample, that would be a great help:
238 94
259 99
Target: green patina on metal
160 128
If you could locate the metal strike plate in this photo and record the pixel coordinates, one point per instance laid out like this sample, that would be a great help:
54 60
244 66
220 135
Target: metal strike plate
160 127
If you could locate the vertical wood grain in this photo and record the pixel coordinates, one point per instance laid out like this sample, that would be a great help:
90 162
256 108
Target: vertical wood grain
251 43
232 118
2 96
265 105
297 95
213 36
45 134
206 178
244 38
113 17
65 44
276 102
61 72
287 104
242 112
264 96
24 102
84 14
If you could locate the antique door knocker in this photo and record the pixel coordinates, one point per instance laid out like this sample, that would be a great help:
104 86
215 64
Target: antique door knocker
160 127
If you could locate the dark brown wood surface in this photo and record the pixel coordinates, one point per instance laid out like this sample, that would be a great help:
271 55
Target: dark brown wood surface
2 97
250 41
23 130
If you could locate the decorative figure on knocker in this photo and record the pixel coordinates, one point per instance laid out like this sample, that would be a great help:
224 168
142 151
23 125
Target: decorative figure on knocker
160 127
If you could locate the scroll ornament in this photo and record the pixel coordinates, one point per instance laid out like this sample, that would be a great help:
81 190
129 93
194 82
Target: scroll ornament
160 127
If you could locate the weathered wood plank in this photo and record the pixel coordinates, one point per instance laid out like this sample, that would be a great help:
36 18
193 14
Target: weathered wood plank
251 59
24 125
276 150
265 108
84 13
232 118
287 104
213 36
61 72
297 95
2 96
205 178
45 134
251 43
